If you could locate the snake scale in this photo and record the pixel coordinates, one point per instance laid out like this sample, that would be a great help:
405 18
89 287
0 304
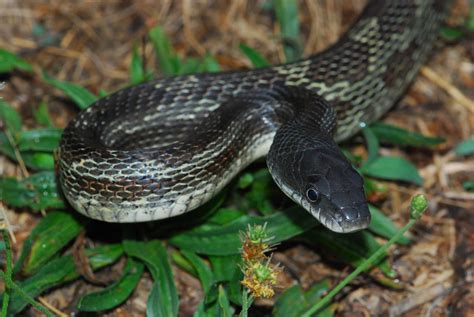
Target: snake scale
167 146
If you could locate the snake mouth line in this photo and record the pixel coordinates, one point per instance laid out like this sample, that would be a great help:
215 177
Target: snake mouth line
344 226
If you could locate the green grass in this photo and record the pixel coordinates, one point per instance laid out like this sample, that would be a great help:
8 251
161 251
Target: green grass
208 245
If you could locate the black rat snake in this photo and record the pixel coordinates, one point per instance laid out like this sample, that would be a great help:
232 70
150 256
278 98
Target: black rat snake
165 147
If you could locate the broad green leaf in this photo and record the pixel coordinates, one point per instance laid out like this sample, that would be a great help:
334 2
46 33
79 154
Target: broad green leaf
154 301
468 185
45 140
258 61
183 263
59 271
11 118
39 161
46 240
202 269
169 62
245 180
10 61
105 255
225 240
372 144
155 257
208 309
224 215
80 95
33 160
216 304
290 303
387 133
384 226
38 191
451 33
287 16
115 294
42 116
317 292
392 168
465 148
227 268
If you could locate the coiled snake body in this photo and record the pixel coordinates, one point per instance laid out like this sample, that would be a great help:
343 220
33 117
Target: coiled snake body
165 147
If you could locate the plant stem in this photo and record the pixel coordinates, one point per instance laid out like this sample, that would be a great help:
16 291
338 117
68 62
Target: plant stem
247 300
362 267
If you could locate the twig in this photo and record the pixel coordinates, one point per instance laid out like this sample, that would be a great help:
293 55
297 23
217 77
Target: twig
449 88
18 157
7 226
51 307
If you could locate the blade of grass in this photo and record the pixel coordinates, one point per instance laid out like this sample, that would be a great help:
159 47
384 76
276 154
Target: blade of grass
155 257
204 272
47 238
137 71
258 61
80 95
165 55
11 118
10 61
115 294
372 145
37 192
42 116
287 16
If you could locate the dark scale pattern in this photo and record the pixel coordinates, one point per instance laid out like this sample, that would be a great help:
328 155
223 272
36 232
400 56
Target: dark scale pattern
165 147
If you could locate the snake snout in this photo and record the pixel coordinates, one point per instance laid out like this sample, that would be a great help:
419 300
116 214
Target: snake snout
354 218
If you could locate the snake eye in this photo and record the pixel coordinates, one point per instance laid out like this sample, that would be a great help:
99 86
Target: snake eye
312 195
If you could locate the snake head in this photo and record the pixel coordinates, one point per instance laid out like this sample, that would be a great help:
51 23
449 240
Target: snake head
334 194
316 175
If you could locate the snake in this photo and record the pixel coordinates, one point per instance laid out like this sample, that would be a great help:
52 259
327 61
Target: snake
165 147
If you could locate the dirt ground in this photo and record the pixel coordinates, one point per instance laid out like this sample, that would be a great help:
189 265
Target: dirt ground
90 43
